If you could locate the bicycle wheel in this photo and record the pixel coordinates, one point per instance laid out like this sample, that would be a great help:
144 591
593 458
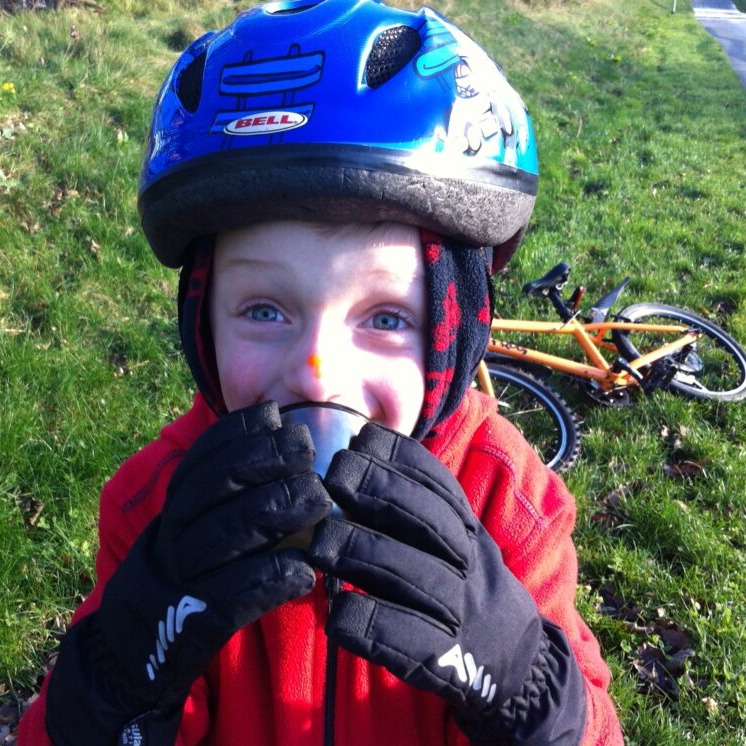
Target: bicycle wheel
541 415
714 367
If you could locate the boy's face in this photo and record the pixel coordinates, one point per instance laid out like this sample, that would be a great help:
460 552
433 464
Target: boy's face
309 312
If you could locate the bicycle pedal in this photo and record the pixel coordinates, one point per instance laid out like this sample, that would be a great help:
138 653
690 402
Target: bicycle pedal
620 365
659 375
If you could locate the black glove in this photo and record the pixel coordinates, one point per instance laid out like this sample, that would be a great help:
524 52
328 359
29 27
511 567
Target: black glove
199 572
441 611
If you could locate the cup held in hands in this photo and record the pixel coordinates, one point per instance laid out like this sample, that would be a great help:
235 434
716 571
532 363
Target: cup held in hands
332 426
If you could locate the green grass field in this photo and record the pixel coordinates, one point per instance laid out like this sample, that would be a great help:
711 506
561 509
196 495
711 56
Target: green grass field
641 126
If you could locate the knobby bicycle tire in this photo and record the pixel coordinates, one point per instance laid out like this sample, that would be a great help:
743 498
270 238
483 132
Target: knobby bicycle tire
712 368
541 415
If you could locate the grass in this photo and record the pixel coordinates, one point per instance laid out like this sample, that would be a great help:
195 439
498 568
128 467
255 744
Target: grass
641 125
89 360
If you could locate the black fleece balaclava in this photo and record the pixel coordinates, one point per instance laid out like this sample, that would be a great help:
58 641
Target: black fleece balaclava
459 295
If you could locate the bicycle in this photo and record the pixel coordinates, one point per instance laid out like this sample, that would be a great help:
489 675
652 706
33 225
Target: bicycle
644 347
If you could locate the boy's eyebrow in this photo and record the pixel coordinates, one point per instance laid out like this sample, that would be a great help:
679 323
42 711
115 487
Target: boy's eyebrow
418 274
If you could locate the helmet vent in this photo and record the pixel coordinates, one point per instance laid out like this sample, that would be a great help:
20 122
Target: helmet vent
392 50
189 84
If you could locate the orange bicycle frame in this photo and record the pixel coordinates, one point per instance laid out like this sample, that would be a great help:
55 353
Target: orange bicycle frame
592 339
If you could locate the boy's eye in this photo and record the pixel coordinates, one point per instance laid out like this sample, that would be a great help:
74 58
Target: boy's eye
264 313
388 321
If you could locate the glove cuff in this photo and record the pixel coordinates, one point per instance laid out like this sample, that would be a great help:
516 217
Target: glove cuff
83 705
516 711
154 728
89 698
550 707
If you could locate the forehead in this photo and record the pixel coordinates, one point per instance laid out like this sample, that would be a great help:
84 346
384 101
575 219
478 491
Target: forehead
295 245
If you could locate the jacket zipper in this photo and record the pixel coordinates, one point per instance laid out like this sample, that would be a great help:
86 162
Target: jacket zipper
332 586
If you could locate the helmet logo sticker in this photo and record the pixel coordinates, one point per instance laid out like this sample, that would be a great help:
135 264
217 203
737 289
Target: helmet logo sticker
265 123
473 119
487 116
265 93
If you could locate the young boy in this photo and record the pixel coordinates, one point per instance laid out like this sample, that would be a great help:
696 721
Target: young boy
324 173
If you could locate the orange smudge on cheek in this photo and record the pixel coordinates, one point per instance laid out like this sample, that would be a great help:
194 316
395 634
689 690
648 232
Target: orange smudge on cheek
314 362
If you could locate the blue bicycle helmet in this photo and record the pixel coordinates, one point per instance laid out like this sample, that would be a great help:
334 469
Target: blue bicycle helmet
342 111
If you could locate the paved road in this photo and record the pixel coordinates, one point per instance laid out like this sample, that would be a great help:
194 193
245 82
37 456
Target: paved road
724 21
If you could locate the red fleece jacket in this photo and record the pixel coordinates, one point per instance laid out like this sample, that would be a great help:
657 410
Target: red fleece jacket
266 686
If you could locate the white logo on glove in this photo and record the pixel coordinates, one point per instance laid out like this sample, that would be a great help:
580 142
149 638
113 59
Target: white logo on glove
168 629
131 736
467 671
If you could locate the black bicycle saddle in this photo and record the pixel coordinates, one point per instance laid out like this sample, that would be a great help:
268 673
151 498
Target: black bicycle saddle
552 280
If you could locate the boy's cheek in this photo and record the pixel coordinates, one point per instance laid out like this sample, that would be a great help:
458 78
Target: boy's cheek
401 399
240 385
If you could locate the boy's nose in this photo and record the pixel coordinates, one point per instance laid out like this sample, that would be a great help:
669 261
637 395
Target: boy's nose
318 369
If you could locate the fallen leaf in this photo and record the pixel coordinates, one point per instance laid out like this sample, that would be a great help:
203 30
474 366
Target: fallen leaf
684 469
